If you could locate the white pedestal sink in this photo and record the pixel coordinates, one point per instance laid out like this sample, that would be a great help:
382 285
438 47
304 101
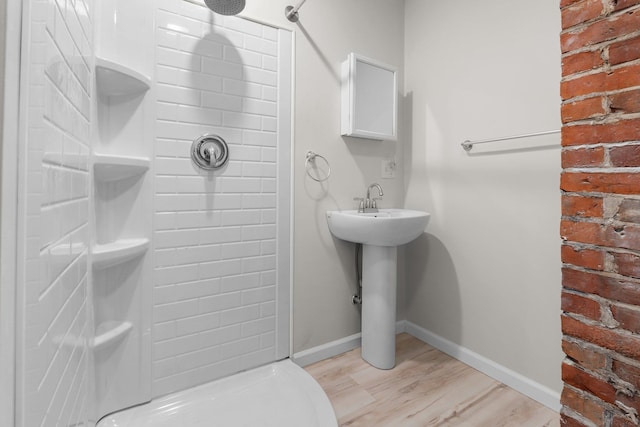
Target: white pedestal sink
380 234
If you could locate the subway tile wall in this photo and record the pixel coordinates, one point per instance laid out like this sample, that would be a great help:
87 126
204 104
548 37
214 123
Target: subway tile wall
54 323
215 233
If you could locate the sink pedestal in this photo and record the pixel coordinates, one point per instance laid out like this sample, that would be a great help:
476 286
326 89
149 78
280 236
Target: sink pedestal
380 234
379 305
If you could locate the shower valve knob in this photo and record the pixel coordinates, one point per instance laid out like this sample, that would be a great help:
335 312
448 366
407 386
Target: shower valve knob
210 152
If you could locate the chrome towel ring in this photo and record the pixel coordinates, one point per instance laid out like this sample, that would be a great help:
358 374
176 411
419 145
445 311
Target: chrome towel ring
210 151
311 165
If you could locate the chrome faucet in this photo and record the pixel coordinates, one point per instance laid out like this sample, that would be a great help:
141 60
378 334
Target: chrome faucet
369 204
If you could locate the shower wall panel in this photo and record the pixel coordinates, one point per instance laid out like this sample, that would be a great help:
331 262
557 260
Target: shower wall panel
217 278
53 310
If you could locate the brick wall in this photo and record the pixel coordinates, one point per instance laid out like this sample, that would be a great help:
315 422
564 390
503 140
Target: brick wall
600 225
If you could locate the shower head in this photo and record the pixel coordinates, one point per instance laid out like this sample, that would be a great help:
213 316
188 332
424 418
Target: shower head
225 7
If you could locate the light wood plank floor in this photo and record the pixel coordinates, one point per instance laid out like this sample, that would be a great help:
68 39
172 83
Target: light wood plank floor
426 388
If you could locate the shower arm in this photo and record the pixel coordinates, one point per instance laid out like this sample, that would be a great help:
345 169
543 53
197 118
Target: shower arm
292 12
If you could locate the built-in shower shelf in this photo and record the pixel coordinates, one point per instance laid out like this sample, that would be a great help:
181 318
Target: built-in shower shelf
110 332
117 252
108 167
115 79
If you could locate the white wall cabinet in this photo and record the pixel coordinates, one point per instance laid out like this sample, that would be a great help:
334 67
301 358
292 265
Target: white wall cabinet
369 99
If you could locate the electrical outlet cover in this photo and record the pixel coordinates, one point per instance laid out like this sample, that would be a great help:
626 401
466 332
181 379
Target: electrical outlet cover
388 168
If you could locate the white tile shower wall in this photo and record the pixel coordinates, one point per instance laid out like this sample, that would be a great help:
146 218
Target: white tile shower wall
54 324
215 234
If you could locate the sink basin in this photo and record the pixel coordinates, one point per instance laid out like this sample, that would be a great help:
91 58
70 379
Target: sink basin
388 227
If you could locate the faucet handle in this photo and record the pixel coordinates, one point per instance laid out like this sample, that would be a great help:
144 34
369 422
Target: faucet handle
373 202
360 204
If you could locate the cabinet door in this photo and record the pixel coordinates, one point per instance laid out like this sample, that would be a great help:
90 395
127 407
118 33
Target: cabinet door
369 99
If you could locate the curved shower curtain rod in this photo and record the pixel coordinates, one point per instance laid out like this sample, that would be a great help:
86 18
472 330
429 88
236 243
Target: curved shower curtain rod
233 7
292 12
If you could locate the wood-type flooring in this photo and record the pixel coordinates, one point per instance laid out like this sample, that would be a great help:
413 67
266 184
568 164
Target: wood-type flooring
426 388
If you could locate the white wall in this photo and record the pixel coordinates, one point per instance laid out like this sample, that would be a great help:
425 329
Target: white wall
324 276
3 25
486 275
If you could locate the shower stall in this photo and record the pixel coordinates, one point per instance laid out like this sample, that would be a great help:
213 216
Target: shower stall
139 273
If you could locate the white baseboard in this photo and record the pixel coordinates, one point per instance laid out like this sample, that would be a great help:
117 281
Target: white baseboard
326 351
516 381
334 348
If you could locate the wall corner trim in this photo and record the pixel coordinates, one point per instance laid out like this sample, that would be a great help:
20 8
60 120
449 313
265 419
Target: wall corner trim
516 381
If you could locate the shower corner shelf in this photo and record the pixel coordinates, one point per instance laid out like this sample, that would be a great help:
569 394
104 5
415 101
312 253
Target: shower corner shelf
109 332
115 79
118 252
108 167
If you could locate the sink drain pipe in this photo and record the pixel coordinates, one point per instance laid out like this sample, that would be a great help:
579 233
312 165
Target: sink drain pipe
357 298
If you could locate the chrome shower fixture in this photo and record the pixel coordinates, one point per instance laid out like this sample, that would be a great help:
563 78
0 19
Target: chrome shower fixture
292 12
226 7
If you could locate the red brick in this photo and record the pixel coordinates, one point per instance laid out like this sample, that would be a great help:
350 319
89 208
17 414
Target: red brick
583 380
612 288
576 304
628 211
600 31
586 356
619 78
626 372
587 258
628 317
601 182
627 264
622 343
624 236
583 109
587 407
565 3
583 85
625 102
630 402
581 206
582 61
619 131
620 421
623 4
580 12
624 51
583 157
581 232
567 421
623 77
626 156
